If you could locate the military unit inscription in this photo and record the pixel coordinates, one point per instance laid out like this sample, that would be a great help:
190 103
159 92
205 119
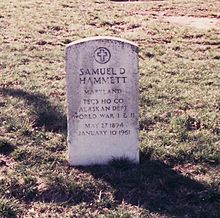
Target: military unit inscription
102 94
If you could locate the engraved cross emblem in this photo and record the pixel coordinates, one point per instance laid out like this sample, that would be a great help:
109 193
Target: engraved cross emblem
102 55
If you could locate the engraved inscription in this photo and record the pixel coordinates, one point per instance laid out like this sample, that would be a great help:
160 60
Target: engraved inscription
106 108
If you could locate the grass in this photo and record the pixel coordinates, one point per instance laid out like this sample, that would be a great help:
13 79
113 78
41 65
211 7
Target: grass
179 112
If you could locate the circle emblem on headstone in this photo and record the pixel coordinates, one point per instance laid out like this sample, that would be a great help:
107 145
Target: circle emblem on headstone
102 55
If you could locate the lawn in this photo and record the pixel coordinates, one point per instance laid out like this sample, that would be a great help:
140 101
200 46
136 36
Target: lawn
178 174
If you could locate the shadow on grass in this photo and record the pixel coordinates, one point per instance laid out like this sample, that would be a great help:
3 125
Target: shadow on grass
6 147
67 192
156 187
47 115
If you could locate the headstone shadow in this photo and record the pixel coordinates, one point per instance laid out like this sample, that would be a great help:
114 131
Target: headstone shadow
47 115
156 187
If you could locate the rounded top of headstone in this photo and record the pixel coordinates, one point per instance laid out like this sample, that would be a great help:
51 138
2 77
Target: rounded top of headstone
100 38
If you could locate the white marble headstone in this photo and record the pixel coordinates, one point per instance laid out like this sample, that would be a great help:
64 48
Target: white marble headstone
102 95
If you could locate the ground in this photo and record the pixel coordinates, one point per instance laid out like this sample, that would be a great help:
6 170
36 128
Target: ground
178 175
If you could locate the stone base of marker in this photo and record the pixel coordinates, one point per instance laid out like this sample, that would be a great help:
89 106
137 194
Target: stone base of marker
102 96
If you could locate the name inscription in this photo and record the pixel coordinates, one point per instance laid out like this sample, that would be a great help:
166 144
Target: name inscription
102 76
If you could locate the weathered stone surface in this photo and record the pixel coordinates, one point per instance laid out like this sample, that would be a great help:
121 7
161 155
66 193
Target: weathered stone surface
102 94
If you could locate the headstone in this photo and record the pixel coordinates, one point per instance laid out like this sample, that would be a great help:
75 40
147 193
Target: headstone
102 97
